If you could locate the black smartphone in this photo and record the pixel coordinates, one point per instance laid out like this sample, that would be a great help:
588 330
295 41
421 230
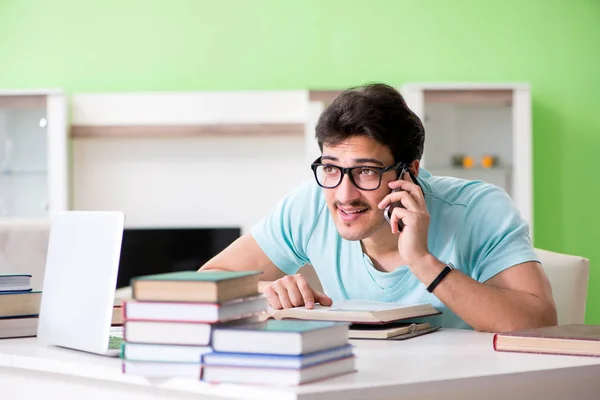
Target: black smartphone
388 210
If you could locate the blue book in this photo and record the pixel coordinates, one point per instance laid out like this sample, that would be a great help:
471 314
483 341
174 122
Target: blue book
277 360
286 337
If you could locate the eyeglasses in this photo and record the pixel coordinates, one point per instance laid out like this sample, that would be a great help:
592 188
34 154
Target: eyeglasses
329 176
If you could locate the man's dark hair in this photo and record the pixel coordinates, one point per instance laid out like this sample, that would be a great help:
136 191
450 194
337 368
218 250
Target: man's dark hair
377 111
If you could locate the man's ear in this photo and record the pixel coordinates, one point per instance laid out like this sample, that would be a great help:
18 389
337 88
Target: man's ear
414 167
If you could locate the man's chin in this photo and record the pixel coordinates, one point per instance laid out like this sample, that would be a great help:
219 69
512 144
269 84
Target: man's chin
352 233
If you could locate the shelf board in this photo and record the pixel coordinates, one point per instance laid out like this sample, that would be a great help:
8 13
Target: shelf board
468 172
23 172
22 101
469 96
173 131
324 96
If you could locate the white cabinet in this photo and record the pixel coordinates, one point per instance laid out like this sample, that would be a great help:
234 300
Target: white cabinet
33 154
467 125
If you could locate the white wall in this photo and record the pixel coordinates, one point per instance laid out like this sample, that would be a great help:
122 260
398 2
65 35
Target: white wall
204 181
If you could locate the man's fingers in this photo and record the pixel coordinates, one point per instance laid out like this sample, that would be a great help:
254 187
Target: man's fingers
400 214
306 292
323 299
272 297
408 185
282 294
296 298
294 291
407 200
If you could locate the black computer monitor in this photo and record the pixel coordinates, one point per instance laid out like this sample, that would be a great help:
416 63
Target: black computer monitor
147 251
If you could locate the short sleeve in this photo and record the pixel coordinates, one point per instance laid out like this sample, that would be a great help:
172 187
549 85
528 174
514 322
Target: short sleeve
495 234
284 233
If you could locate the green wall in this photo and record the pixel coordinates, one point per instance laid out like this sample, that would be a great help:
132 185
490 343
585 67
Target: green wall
120 45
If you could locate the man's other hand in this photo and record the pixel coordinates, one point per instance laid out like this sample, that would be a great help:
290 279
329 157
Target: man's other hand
294 291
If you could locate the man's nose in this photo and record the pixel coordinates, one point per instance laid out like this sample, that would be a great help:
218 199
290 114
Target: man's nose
346 191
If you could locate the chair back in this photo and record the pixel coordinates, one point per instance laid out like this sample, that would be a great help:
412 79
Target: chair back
568 275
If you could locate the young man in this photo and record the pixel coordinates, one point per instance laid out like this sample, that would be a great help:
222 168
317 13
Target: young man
463 247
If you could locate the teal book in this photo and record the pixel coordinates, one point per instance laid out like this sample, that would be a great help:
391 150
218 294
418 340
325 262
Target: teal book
192 286
285 337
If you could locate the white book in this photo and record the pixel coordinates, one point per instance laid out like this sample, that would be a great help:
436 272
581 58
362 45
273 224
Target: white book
164 352
280 337
161 369
18 327
194 312
15 282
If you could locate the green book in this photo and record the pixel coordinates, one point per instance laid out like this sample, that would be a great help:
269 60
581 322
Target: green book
208 276
192 286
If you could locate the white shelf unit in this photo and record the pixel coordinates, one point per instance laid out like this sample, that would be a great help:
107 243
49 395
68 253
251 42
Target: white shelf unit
477 120
178 159
33 153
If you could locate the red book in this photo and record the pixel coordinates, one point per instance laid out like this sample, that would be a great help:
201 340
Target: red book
576 340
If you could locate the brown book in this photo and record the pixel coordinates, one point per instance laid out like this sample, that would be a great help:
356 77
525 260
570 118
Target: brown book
358 312
20 303
385 331
117 316
192 286
580 340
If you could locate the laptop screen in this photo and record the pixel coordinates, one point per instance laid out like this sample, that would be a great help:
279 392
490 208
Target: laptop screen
147 251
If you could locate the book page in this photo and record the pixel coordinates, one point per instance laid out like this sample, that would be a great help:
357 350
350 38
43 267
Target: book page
364 305
355 306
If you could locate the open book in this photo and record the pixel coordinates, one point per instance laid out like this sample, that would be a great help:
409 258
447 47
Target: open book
357 312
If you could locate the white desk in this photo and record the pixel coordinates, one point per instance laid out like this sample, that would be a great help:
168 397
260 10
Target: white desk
444 365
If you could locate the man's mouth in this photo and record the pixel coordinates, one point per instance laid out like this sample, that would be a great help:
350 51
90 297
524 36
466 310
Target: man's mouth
353 211
351 214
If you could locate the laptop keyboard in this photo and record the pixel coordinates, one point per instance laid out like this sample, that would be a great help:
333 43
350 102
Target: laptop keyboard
114 342
115 338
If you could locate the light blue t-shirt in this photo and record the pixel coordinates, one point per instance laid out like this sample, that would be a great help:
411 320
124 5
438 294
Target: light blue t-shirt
473 225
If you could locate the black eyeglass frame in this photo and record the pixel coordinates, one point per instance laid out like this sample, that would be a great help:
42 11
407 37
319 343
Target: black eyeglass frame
399 166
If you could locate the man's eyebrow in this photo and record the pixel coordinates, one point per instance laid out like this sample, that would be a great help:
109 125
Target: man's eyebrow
368 160
356 160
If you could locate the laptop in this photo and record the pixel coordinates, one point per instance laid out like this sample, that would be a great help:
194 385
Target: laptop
82 265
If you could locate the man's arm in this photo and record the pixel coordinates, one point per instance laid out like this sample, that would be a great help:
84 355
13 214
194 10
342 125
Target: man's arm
517 298
244 254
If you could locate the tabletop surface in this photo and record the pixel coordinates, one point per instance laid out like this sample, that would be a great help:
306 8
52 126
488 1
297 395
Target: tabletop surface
439 356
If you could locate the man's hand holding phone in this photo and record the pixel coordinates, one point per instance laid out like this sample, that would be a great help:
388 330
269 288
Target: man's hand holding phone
412 240
294 291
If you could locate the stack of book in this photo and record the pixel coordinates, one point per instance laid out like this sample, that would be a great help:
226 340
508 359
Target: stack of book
169 321
19 306
279 353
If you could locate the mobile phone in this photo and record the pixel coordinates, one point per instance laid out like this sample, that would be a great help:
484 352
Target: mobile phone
387 213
